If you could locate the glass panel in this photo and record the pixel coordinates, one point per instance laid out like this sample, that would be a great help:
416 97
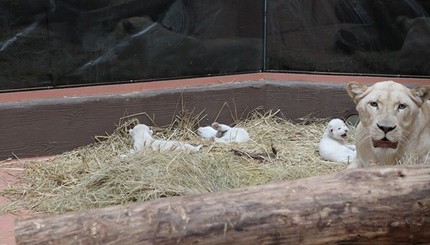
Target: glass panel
123 40
351 36
53 43
24 45
77 42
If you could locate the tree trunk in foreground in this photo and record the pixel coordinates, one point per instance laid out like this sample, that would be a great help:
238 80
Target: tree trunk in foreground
359 206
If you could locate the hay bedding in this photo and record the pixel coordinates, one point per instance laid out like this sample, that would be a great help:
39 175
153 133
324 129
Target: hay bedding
95 176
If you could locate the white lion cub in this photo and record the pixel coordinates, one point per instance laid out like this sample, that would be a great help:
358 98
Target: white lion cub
223 133
227 134
206 132
142 137
332 146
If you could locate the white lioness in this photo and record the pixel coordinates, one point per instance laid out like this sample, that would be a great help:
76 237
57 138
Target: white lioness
394 123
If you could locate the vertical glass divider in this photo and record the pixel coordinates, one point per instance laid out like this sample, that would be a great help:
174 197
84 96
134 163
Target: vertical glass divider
265 35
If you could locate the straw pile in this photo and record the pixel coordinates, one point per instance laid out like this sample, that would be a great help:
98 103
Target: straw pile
96 176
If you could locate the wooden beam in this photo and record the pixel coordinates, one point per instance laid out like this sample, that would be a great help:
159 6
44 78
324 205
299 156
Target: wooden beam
388 205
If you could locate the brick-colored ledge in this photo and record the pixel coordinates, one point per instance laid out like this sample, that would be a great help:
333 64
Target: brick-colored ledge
201 81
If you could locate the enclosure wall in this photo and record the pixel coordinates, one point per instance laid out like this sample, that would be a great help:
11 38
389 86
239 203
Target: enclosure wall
47 122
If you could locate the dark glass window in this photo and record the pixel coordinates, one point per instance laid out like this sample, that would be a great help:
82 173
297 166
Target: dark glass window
24 45
56 43
349 36
75 42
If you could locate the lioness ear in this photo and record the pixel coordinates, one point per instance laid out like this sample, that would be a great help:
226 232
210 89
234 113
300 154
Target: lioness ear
421 94
355 90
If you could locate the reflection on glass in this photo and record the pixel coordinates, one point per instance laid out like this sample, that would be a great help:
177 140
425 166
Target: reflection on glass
52 43
351 36
69 42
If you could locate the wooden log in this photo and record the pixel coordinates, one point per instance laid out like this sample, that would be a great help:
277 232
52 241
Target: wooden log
359 206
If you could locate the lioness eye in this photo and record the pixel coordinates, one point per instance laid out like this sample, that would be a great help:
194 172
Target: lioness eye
373 104
402 106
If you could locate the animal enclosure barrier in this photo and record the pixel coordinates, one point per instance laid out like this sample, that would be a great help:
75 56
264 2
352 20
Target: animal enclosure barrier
360 206
293 100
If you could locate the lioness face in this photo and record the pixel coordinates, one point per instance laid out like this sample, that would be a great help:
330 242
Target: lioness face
387 112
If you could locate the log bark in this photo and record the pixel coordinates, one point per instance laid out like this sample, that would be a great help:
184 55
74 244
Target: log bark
388 205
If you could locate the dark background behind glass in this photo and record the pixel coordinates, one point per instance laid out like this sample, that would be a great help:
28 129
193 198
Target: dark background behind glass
56 43
350 36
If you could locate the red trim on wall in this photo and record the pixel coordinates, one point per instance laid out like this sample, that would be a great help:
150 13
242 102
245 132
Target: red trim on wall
201 81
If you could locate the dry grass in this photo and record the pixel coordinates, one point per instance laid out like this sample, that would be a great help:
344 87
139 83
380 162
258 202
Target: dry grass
95 176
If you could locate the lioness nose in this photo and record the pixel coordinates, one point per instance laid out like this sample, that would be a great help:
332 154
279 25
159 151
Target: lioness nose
385 128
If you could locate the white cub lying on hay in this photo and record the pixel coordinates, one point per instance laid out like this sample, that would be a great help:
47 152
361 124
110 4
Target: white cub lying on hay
206 132
223 133
332 146
142 137
228 134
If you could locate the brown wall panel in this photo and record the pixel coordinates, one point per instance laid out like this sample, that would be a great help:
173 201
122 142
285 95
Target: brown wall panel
301 99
